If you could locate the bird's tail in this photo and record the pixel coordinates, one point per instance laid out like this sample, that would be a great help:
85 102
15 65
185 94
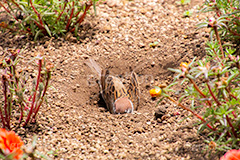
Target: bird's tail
94 66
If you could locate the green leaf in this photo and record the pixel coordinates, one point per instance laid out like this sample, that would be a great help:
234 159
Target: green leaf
202 25
42 155
94 7
190 76
159 102
48 13
172 84
232 76
34 142
187 13
48 31
175 70
37 34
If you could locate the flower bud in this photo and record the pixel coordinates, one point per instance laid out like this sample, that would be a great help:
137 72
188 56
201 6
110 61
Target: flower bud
155 92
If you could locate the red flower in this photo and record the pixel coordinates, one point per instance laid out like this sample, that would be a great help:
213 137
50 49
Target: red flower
10 143
231 155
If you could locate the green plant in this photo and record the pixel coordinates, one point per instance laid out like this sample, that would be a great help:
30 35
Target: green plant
13 148
187 13
227 10
183 2
40 17
31 151
154 44
212 85
17 96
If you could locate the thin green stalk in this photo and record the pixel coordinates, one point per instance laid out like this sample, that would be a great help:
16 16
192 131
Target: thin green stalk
199 91
232 127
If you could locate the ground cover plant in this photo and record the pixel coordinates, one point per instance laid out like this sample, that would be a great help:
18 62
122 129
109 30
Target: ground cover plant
18 98
212 83
40 17
79 125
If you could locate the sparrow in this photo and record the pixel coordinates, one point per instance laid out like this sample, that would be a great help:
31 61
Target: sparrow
118 98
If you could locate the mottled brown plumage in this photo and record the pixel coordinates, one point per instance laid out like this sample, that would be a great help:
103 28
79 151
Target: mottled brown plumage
117 97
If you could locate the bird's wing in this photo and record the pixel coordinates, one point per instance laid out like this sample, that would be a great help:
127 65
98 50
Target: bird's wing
134 90
112 89
94 66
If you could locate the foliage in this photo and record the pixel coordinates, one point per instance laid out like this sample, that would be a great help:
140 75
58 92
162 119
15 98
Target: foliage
229 12
212 84
17 98
187 13
183 2
40 17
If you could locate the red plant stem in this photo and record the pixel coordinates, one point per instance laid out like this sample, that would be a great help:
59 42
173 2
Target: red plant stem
44 92
65 4
231 94
3 121
60 6
234 33
235 16
83 15
230 124
17 5
217 11
233 112
214 97
188 109
229 135
203 95
7 115
1 113
35 93
34 9
21 116
29 99
70 18
39 25
218 57
218 39
8 11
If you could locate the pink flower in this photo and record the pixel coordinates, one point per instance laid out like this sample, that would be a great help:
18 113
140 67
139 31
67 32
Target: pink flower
231 155
212 22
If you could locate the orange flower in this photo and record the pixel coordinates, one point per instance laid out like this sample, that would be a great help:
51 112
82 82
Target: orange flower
155 92
10 143
231 155
184 66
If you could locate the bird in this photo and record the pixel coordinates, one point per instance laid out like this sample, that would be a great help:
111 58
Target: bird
118 98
